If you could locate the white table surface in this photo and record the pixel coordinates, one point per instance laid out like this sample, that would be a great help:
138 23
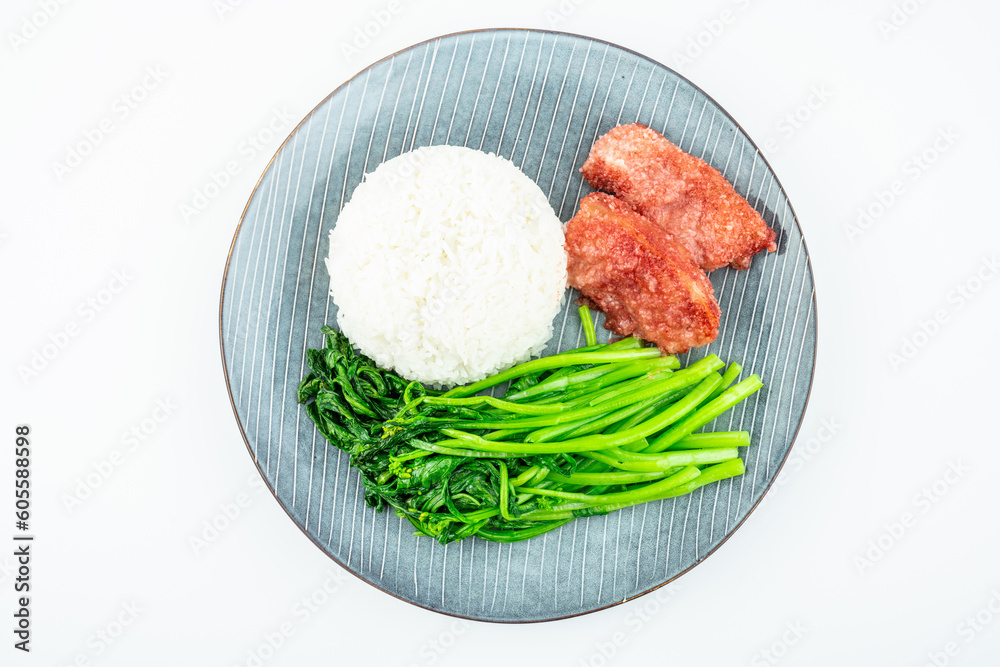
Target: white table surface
878 546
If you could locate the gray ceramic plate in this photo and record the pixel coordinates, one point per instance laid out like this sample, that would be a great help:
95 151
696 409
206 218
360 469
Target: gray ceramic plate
539 99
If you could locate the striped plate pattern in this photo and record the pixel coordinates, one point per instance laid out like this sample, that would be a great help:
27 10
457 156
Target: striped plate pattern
540 99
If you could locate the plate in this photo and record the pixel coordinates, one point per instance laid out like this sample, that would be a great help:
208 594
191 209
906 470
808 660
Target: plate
540 99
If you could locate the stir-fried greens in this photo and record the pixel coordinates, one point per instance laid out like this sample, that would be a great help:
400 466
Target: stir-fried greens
580 433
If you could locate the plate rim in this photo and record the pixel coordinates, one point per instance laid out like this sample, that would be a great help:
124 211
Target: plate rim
540 31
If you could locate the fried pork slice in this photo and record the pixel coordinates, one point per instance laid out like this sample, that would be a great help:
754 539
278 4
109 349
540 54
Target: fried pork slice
684 194
646 282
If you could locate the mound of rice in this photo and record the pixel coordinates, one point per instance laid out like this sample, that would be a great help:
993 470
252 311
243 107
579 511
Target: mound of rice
447 265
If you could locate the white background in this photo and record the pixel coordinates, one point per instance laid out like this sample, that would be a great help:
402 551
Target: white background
878 546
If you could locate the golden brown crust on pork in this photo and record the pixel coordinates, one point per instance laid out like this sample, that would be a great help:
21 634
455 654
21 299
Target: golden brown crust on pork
683 193
646 282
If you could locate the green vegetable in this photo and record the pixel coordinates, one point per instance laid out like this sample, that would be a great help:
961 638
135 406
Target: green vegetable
583 432
588 325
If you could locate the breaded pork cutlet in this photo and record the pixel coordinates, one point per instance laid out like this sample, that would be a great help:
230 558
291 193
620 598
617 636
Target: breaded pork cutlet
684 194
646 282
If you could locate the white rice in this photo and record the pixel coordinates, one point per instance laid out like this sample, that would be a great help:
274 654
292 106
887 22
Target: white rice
447 265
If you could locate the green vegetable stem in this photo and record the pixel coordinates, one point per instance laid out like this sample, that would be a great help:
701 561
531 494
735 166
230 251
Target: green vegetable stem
580 433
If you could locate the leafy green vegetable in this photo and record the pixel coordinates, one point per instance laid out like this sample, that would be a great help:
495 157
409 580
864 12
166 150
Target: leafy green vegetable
580 433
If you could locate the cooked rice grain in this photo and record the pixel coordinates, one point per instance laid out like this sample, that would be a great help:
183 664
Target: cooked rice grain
447 265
